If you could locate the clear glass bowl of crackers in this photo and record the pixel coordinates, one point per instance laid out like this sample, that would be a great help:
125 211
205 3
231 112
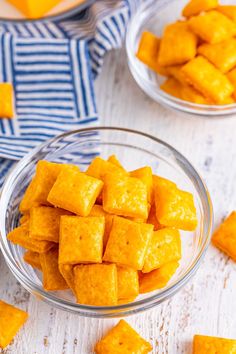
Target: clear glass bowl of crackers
183 54
104 222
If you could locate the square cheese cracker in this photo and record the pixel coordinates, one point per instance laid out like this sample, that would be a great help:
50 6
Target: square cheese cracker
225 236
11 319
212 27
128 243
178 45
75 191
208 80
122 339
96 284
165 247
213 345
81 239
126 196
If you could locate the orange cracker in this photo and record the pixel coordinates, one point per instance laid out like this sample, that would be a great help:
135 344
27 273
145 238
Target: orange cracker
225 236
214 345
222 55
113 159
20 236
97 210
148 51
52 278
145 175
33 259
159 182
186 92
228 10
128 284
41 184
190 94
228 100
67 271
96 284
11 319
126 196
232 78
213 27
34 10
136 219
172 87
126 300
75 191
128 243
158 278
81 239
165 247
152 219
122 339
45 223
195 7
24 218
99 167
207 79
178 45
175 208
176 72
6 100
183 91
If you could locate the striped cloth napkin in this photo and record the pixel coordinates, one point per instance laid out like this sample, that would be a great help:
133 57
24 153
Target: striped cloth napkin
52 67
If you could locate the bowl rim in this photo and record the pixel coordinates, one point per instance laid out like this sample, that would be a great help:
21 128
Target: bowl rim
62 15
202 110
103 311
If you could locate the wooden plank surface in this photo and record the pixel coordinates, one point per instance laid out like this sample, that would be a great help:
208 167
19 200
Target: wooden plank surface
207 304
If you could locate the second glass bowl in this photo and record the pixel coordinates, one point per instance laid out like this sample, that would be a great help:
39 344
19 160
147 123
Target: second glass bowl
154 15
133 149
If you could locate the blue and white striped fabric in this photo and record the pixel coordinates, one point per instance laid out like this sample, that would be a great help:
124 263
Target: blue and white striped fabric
53 90
52 67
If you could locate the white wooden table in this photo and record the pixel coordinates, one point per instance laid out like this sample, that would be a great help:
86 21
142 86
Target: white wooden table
207 305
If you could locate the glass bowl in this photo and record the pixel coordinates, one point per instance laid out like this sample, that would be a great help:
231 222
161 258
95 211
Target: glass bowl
134 149
62 11
154 15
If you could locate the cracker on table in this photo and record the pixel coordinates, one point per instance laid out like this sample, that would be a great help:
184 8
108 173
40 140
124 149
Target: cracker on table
225 236
122 339
207 344
11 319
